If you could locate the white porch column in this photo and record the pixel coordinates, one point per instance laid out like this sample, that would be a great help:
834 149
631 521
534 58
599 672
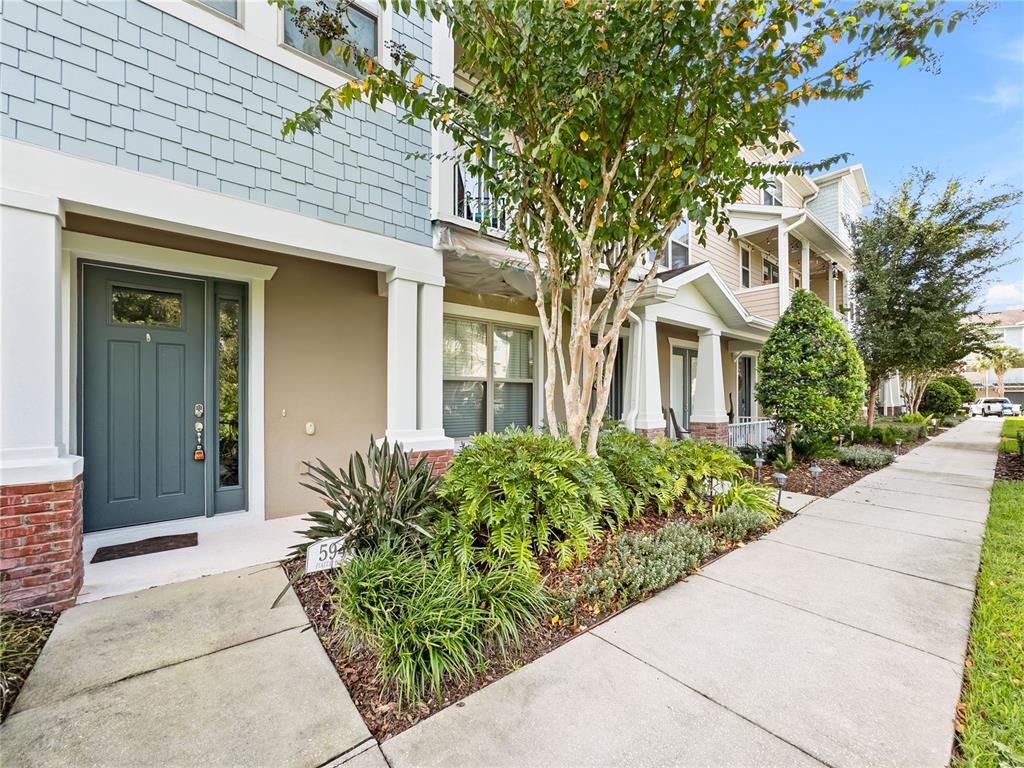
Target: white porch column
783 268
831 287
631 394
709 419
414 387
805 265
429 360
32 329
649 418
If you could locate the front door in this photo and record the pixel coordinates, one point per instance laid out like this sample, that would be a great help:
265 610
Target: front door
683 383
143 385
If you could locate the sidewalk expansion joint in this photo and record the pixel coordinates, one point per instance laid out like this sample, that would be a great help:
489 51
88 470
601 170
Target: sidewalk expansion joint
868 503
955 663
897 530
870 565
714 701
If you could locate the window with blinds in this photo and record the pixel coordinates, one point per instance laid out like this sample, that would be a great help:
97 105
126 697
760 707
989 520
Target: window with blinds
488 377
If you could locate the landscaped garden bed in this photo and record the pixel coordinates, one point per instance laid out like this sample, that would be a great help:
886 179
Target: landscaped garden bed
658 519
22 636
1010 463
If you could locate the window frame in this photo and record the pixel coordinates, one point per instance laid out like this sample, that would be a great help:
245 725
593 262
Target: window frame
490 380
360 6
745 270
772 193
766 259
238 21
666 256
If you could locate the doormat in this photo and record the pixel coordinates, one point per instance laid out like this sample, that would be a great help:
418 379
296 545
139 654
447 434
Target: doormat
145 547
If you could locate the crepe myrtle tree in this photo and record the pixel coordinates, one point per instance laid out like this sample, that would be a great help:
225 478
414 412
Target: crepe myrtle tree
600 125
809 372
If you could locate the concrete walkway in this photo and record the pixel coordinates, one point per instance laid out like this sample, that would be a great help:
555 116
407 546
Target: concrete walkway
836 640
201 673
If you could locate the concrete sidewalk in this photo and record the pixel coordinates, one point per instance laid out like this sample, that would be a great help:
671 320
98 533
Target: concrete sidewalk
200 673
838 639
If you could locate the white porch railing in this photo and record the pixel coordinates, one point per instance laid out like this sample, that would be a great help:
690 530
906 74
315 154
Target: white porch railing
757 433
472 200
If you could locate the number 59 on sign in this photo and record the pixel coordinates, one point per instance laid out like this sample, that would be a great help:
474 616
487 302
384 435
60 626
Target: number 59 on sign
325 554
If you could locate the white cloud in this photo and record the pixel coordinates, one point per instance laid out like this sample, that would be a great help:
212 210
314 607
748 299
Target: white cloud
1014 51
1005 96
1005 295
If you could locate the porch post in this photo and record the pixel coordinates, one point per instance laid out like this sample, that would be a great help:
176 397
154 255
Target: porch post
783 268
831 288
414 386
709 419
805 265
650 420
41 494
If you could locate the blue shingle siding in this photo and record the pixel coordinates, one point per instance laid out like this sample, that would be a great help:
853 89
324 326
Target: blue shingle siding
127 84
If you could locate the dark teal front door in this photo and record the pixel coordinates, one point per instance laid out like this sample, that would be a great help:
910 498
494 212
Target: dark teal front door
143 383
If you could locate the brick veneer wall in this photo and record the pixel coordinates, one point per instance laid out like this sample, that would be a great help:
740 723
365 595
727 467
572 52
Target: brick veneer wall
41 535
715 431
439 460
651 434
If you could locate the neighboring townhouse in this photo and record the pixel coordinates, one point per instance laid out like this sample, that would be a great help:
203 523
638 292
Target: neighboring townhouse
1008 326
192 306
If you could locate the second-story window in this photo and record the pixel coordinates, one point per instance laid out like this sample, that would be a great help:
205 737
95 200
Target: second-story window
362 28
770 274
227 7
745 267
677 252
772 192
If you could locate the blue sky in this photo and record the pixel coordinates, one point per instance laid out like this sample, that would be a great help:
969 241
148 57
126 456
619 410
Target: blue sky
966 121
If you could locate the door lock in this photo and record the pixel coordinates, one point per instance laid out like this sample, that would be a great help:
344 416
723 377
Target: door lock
199 410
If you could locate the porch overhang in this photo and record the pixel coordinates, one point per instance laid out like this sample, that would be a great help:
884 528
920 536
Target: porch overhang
712 288
751 220
481 264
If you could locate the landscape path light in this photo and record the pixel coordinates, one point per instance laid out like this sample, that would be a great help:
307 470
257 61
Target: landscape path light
780 479
815 474
758 466
899 445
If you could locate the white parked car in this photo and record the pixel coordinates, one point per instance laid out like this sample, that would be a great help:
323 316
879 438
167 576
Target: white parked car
995 406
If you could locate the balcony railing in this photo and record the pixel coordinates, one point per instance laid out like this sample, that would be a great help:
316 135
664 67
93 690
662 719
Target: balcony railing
473 202
754 432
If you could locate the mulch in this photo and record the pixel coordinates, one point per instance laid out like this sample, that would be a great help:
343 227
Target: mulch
23 635
1009 466
379 704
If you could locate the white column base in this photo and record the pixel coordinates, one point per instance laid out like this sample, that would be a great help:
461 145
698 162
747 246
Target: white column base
29 471
420 439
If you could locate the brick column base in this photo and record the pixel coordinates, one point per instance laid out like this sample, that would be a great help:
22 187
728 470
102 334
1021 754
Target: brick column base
41 536
715 431
438 460
651 434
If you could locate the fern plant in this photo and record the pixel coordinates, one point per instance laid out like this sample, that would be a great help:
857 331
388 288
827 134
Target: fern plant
690 471
634 461
384 496
516 495
747 495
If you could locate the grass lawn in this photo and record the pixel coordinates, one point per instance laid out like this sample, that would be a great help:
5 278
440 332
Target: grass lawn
992 732
1009 433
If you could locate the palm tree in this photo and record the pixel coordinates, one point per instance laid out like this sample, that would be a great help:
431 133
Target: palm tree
1000 359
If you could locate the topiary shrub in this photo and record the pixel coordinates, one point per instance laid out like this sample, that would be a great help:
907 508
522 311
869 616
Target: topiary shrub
963 387
864 457
637 564
426 618
737 522
515 495
940 399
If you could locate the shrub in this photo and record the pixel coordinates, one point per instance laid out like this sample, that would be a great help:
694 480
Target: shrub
747 494
688 471
963 387
384 496
864 457
427 618
633 460
809 445
639 563
516 495
736 522
915 418
941 399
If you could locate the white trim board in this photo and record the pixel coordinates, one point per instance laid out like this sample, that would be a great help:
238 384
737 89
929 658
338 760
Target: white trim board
76 246
107 191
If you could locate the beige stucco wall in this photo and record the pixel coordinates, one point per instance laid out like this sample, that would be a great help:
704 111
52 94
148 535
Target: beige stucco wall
668 332
325 357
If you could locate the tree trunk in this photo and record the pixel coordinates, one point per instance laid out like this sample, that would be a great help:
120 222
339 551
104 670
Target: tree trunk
790 430
1001 382
872 396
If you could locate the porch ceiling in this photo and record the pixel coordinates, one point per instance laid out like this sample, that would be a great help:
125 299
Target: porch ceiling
480 265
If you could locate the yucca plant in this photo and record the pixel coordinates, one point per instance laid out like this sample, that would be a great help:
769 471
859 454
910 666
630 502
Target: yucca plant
382 496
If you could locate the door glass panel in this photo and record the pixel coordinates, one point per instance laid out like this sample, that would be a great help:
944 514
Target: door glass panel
141 306
228 343
512 405
463 406
744 386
